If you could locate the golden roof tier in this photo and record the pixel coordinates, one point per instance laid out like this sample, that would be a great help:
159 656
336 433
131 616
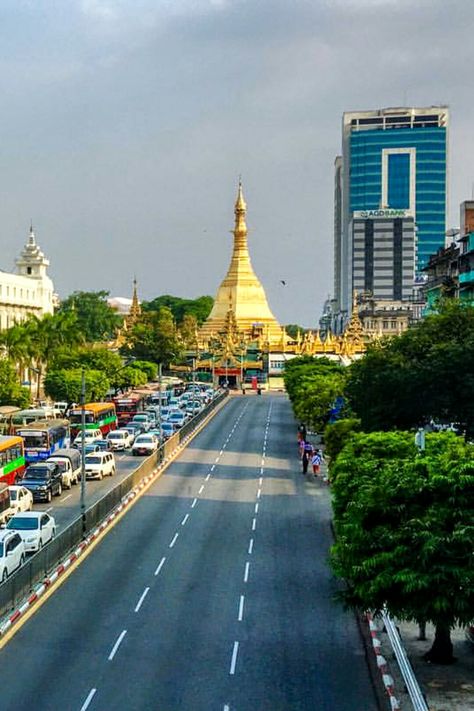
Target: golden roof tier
241 291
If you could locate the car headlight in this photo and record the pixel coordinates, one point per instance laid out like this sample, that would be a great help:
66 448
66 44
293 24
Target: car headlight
30 540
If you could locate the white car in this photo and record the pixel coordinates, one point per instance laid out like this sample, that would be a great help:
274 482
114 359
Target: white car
90 436
12 553
145 444
99 464
20 499
143 419
36 528
119 439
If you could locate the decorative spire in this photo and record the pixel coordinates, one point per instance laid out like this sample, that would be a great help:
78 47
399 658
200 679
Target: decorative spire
135 308
31 237
240 212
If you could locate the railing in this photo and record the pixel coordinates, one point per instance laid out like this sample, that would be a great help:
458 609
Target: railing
18 585
416 695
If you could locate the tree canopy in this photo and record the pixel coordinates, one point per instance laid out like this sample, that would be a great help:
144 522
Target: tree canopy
11 392
96 320
427 372
154 338
404 527
200 308
313 384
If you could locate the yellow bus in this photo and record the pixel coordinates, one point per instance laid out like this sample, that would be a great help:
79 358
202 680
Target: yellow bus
12 459
99 415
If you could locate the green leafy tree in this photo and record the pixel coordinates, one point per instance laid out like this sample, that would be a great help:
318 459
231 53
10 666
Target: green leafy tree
11 392
96 320
154 337
128 377
150 369
427 372
66 385
337 434
404 529
313 384
292 330
199 308
188 331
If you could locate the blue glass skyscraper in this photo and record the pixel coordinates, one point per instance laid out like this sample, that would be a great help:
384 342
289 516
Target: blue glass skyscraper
392 159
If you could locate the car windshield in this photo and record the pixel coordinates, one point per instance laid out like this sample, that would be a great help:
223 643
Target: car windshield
144 438
116 435
176 416
13 495
93 460
23 523
36 473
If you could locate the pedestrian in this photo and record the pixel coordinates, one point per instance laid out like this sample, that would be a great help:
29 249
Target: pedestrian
302 431
316 462
307 454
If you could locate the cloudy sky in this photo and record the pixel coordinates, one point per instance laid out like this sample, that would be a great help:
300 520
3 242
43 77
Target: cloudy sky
126 123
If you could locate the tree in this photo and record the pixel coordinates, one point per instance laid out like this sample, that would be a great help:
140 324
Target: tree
199 308
404 529
313 384
337 434
150 369
11 392
96 320
66 385
128 377
293 329
427 372
154 337
188 331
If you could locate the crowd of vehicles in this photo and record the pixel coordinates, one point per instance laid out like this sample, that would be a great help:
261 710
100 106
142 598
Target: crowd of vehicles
41 454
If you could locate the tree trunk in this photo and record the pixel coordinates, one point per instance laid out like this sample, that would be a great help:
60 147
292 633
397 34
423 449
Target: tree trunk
442 650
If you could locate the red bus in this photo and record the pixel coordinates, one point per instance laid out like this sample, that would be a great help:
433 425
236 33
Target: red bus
127 406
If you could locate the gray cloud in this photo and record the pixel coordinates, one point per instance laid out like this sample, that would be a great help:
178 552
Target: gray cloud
125 125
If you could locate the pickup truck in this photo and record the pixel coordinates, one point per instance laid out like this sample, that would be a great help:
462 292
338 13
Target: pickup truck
69 461
6 511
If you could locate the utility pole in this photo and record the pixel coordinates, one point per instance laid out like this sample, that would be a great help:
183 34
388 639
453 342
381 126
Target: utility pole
83 453
160 380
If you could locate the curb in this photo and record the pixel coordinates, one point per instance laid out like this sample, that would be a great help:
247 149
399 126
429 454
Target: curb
382 663
60 569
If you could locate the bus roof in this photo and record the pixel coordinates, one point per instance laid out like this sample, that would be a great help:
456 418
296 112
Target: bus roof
8 440
9 410
44 425
96 406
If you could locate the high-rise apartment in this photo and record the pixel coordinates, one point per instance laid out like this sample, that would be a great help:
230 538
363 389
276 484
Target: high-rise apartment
393 159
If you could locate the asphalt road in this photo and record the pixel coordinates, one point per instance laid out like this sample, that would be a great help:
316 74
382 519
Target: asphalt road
213 592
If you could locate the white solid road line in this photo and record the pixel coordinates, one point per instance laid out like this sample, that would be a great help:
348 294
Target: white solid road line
175 538
67 497
183 522
254 524
140 602
246 574
117 645
194 503
90 696
241 608
233 661
251 546
162 562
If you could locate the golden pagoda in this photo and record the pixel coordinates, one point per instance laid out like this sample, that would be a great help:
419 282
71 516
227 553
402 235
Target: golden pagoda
241 291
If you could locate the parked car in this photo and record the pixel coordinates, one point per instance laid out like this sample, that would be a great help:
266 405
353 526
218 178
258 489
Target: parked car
44 480
21 499
12 553
100 464
143 419
89 437
120 439
69 461
36 528
145 444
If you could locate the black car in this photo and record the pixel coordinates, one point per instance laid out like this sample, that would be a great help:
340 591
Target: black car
44 480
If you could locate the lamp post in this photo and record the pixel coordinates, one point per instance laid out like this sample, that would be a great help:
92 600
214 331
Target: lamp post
83 452
160 381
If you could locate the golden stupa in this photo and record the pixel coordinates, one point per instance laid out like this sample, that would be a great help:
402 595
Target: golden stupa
241 292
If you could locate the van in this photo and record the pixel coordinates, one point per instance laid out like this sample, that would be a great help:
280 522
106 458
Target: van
70 462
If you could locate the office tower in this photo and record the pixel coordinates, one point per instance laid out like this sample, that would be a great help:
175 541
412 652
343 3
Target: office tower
393 159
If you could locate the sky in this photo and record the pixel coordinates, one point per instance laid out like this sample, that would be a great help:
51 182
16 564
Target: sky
125 125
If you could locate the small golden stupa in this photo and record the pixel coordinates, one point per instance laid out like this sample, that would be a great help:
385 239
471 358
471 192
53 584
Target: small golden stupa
241 291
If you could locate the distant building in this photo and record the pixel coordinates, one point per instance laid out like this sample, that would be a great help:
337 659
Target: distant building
392 159
28 291
466 253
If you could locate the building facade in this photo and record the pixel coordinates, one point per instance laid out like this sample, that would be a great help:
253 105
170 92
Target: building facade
29 290
394 158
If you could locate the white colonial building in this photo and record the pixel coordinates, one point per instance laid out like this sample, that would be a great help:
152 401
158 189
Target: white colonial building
29 290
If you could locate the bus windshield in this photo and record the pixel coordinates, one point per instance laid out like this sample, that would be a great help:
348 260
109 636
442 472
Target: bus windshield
35 440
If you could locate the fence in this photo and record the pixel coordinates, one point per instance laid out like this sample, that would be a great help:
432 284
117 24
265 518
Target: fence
18 585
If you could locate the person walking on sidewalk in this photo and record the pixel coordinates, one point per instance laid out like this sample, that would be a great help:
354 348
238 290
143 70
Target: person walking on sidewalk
316 462
307 454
